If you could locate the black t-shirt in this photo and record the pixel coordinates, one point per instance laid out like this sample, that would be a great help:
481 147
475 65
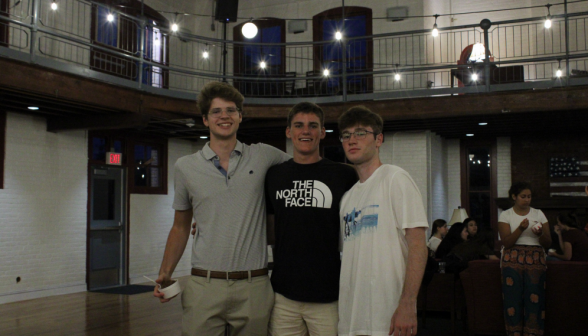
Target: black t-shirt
305 201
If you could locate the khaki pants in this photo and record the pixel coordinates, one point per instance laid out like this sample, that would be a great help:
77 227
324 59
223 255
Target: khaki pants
211 304
295 318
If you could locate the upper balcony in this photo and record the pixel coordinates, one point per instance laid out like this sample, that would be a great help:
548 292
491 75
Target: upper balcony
140 51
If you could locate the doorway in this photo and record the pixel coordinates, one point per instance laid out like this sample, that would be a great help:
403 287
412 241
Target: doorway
107 231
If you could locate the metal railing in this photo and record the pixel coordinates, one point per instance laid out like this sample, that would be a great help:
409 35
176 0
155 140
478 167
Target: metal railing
522 54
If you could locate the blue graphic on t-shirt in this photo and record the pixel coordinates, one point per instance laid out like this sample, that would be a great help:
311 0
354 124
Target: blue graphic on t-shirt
360 220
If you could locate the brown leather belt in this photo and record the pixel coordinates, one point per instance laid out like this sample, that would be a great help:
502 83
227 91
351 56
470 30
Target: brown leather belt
238 275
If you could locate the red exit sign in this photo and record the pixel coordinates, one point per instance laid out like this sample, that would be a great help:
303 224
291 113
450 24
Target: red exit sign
113 158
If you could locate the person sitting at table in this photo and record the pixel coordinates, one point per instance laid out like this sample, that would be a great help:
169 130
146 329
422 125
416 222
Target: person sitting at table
457 234
479 247
472 227
572 241
438 231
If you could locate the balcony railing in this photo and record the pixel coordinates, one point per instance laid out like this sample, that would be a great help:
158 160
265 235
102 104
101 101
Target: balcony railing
523 55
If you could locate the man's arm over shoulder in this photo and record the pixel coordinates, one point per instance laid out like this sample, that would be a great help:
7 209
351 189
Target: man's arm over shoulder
272 154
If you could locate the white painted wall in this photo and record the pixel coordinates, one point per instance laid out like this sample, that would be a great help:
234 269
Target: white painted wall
42 211
503 158
438 178
453 176
151 218
409 151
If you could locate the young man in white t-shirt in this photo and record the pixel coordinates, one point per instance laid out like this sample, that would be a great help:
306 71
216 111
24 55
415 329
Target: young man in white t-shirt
384 241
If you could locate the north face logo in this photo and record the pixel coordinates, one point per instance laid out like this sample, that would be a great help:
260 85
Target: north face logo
309 193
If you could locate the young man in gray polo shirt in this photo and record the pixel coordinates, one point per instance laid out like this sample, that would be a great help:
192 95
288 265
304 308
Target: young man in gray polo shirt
221 188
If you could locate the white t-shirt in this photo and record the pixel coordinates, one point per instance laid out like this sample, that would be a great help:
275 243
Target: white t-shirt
535 216
374 216
434 243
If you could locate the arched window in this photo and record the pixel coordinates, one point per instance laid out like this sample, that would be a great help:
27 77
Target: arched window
123 34
248 58
359 52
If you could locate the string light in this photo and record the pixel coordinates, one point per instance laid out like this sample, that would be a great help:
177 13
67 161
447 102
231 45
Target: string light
54 5
558 73
174 27
548 18
262 64
326 72
397 77
474 77
110 17
205 54
435 31
249 30
338 36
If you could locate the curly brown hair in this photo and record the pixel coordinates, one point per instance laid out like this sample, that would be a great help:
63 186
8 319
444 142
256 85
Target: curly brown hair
361 115
221 90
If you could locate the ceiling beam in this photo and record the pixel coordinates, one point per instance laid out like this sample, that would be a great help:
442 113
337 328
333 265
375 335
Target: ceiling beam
33 79
123 121
560 99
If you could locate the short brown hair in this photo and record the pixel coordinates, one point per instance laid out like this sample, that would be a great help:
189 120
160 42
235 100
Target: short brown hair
218 90
361 115
306 107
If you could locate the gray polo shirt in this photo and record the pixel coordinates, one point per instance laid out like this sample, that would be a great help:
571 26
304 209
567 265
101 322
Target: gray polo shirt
229 210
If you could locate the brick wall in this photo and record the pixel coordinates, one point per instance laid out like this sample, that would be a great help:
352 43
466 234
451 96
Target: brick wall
503 166
453 176
42 211
438 181
409 150
151 218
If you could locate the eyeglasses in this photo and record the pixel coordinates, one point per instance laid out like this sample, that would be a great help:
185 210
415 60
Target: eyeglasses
231 111
358 135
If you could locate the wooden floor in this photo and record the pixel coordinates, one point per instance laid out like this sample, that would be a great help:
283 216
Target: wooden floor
92 314
99 314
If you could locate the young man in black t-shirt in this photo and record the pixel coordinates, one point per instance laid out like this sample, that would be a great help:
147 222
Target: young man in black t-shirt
303 196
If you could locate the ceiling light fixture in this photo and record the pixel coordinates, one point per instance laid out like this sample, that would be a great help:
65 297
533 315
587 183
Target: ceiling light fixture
483 123
548 18
33 108
54 5
249 29
435 31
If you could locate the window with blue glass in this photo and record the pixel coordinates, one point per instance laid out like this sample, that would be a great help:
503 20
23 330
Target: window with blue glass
358 51
119 30
260 60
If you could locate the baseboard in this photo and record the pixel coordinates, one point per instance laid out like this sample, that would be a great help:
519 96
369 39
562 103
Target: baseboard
41 293
141 280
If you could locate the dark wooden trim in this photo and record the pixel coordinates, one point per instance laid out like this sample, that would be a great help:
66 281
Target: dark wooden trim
4 34
2 146
121 121
129 140
490 143
88 219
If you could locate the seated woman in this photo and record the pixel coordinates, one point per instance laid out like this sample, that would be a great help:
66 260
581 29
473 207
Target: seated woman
573 242
438 231
479 247
457 234
472 227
